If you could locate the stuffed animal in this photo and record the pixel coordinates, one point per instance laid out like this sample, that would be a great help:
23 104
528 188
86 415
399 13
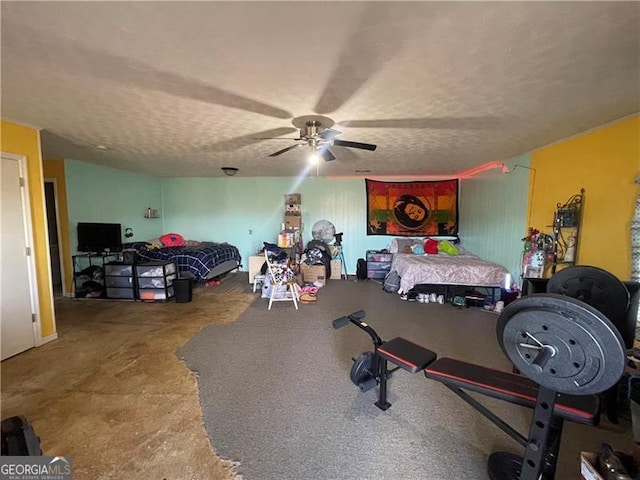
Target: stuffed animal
431 246
448 248
417 249
172 240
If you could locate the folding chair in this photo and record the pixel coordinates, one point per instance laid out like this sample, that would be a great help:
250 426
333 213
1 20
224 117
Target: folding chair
283 283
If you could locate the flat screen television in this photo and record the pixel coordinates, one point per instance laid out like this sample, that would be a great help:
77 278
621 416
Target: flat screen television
99 237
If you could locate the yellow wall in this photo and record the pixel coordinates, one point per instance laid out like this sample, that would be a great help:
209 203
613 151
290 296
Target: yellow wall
605 162
55 169
26 141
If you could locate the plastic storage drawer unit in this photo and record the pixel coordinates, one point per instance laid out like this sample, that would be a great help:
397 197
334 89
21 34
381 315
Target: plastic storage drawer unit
118 269
379 257
119 280
155 280
155 294
378 264
120 293
124 282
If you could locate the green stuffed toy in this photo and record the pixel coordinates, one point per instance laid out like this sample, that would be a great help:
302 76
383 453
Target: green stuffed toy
447 247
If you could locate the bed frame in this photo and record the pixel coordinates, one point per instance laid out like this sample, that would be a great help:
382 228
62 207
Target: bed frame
467 291
225 267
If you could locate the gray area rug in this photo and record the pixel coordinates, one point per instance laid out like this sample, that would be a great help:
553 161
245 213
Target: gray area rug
276 395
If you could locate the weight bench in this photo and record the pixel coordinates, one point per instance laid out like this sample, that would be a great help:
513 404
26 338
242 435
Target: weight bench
568 351
542 444
550 410
405 354
457 375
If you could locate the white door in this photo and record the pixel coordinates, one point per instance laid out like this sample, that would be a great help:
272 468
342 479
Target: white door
15 284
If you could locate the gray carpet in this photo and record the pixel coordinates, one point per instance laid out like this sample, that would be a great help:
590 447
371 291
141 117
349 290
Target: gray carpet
276 395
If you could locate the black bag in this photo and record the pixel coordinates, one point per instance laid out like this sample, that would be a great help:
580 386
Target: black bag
391 282
19 438
361 269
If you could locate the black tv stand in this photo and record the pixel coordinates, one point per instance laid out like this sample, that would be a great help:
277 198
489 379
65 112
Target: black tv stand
88 273
98 254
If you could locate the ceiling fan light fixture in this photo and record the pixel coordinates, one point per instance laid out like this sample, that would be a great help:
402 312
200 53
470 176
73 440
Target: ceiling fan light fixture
316 134
229 171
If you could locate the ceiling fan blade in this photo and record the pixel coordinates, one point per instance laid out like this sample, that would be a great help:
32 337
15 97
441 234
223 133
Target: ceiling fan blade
453 123
328 133
358 62
284 150
326 154
363 146
97 63
275 138
236 143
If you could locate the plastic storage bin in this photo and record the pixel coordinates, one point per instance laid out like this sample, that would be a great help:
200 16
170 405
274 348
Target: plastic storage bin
119 280
378 264
155 280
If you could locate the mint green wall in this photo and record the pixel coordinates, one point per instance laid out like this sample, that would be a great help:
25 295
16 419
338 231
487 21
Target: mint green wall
249 211
101 194
493 214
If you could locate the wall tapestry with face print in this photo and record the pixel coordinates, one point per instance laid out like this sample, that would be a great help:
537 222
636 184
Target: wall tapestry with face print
412 209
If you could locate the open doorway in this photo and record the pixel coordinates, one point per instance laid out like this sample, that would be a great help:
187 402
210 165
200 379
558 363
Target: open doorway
51 199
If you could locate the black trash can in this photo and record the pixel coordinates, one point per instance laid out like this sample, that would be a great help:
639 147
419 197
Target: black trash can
183 287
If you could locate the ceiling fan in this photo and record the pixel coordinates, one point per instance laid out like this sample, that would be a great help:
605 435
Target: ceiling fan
320 139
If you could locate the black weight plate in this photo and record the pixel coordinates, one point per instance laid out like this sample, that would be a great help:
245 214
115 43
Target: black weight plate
561 343
594 286
361 368
504 466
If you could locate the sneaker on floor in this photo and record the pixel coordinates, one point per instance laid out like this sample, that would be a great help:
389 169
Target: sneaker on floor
411 296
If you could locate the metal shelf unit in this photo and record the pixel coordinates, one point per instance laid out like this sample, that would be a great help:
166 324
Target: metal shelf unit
566 229
89 274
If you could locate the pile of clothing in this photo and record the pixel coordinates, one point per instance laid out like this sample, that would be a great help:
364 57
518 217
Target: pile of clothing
318 252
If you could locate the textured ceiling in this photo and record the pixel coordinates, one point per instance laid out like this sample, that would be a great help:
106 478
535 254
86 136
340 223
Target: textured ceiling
184 88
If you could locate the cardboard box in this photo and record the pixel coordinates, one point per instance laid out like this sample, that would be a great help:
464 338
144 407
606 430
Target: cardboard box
313 273
292 198
292 222
292 209
588 466
336 269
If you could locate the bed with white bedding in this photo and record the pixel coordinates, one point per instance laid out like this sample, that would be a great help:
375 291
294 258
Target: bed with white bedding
465 269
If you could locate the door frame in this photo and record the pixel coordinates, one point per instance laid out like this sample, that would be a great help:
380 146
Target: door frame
54 181
28 233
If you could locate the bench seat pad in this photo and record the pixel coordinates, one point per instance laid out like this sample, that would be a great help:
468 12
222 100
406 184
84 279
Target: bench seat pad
512 388
407 355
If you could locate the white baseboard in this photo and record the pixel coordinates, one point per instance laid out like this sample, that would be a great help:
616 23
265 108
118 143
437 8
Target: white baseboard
47 339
